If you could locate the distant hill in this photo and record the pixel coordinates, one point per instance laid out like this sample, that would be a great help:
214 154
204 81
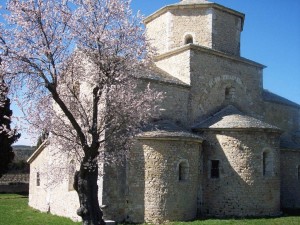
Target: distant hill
23 147
22 152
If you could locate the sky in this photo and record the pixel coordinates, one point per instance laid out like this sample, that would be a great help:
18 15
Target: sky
271 36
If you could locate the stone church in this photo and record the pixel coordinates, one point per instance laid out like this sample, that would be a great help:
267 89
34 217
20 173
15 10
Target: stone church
224 146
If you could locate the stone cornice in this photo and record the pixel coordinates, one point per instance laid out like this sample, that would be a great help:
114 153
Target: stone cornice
290 150
209 51
186 86
194 6
249 129
170 138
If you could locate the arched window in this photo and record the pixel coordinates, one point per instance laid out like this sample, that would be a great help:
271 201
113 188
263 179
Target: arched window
298 172
71 175
183 170
38 179
229 93
267 164
188 39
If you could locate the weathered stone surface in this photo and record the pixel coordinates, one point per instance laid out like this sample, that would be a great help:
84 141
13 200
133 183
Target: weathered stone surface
209 25
290 178
155 192
241 189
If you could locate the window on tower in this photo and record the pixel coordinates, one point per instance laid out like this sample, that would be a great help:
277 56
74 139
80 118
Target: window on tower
188 39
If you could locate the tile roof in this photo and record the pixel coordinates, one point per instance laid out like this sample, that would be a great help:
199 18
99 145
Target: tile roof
288 141
185 2
14 178
166 129
156 74
271 97
231 118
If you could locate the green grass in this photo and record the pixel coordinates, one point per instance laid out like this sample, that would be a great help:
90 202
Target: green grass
285 220
14 210
269 221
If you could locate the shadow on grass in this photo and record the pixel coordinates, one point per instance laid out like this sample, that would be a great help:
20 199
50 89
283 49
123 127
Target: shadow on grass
13 195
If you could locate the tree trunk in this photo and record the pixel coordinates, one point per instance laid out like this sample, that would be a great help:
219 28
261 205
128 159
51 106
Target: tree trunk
85 183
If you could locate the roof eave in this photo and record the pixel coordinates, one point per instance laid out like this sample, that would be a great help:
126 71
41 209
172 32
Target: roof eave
252 129
290 149
165 82
194 6
207 50
36 153
170 138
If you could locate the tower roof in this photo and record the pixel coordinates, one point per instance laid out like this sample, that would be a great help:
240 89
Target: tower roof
193 4
231 118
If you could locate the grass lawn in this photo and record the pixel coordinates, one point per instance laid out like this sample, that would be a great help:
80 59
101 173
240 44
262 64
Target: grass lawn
14 210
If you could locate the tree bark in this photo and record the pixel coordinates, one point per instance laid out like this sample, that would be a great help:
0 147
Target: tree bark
85 183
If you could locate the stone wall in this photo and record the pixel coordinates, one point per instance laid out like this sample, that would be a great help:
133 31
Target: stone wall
290 178
113 195
53 194
209 26
212 73
176 97
197 23
158 32
63 198
226 32
182 69
155 192
63 201
168 31
285 117
242 188
39 197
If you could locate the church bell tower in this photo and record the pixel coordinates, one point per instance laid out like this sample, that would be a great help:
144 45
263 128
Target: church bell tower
199 22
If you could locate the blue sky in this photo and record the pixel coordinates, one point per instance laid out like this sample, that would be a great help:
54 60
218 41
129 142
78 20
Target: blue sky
271 36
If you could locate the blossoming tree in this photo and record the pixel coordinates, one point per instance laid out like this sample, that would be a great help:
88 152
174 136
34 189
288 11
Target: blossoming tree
77 60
